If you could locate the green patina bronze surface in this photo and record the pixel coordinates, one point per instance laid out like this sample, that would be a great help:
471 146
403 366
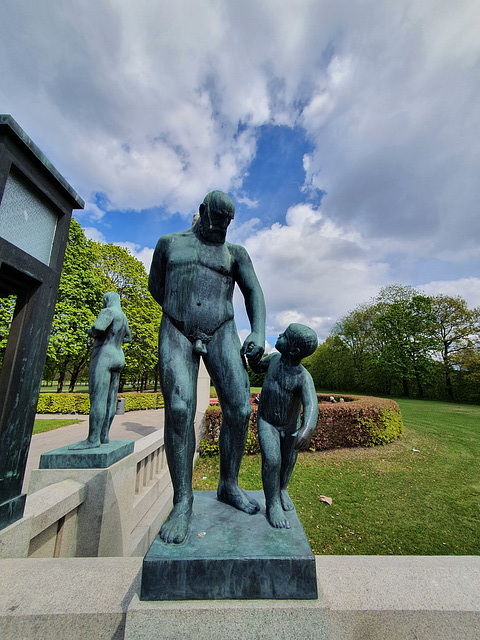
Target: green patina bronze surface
288 386
99 458
109 331
193 275
229 555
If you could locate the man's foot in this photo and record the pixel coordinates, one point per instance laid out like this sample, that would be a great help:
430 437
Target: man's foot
236 497
287 503
105 440
276 517
84 444
175 527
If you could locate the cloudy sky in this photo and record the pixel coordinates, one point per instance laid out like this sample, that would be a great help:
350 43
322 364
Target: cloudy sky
347 133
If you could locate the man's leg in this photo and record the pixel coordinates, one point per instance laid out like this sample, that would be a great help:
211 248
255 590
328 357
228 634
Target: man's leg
269 439
178 367
228 372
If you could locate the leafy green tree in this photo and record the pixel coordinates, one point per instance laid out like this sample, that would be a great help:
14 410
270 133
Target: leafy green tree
405 330
359 335
123 273
7 308
79 301
331 366
467 375
457 329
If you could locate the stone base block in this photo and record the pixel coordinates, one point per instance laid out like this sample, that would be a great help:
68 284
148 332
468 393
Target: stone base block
105 517
99 458
231 555
12 510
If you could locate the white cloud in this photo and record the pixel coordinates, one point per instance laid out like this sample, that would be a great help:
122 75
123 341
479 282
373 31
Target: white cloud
251 204
313 271
392 123
466 288
144 254
153 104
94 234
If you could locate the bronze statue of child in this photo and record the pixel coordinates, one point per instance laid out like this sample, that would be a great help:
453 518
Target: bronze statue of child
281 431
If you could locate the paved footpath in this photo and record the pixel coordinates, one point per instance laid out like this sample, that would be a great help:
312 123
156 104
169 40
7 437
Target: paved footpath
132 425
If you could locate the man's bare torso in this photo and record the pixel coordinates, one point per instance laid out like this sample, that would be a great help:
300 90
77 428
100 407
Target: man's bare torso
198 283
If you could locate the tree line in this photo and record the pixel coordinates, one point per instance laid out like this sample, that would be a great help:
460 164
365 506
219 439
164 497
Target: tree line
91 269
403 343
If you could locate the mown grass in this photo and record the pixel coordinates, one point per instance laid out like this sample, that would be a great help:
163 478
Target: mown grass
388 499
42 426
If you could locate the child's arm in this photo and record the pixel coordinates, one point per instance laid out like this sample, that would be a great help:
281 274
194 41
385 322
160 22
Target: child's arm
262 365
310 412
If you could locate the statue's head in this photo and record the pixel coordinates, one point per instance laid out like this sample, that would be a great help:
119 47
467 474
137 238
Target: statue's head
298 341
216 212
111 299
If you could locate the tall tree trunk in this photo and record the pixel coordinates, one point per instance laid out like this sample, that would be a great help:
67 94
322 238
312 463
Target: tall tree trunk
61 380
448 377
448 383
406 391
74 374
419 385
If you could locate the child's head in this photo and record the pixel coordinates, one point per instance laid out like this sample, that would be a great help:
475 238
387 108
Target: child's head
298 341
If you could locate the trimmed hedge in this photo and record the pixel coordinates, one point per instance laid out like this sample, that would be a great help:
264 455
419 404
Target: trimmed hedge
80 402
360 421
211 431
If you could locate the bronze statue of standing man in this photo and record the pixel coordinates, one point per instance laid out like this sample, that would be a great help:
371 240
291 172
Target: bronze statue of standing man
192 277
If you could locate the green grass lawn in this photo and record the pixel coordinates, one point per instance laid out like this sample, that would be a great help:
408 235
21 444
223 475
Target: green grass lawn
388 499
42 426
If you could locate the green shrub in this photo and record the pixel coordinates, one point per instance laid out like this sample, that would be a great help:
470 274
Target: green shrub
139 401
208 449
359 421
80 402
211 425
383 431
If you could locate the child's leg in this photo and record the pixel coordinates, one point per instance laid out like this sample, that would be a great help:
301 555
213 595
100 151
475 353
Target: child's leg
289 458
269 439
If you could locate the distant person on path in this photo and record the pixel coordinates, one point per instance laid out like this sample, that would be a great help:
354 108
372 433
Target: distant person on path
281 432
110 331
192 277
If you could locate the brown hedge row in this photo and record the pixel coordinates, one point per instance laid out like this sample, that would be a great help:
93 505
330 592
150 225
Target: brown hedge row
359 421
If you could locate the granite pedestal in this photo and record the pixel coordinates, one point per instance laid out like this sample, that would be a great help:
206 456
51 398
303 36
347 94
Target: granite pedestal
229 554
98 458
105 516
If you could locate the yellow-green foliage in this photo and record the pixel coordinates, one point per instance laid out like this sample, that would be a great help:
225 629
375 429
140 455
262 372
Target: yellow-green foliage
138 401
63 403
388 428
211 448
80 402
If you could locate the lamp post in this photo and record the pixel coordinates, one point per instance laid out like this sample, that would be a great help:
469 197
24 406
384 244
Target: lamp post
36 206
